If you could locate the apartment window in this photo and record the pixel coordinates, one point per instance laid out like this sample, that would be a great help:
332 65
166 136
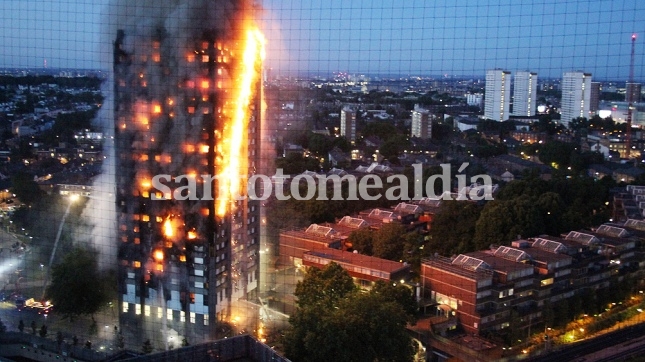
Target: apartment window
159 312
205 319
169 314
125 307
192 317
137 309
146 310
546 282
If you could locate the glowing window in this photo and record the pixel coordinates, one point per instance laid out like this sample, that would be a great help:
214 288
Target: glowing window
145 218
146 310
137 264
546 282
125 307
159 312
192 317
137 309
182 316
169 314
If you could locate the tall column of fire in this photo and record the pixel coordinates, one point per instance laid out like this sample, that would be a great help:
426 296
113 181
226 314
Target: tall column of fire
187 102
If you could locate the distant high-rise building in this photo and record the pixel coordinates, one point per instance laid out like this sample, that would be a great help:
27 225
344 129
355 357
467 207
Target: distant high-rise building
576 96
633 92
525 94
594 100
498 95
348 123
474 99
421 123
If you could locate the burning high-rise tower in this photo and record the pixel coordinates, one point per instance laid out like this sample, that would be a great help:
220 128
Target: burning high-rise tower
187 90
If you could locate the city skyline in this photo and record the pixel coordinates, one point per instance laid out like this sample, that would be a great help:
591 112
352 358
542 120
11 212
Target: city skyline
378 38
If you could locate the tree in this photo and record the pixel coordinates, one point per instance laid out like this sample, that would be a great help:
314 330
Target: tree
414 249
77 286
334 319
324 287
400 294
387 242
25 188
502 221
453 228
551 206
361 240
296 163
557 153
320 145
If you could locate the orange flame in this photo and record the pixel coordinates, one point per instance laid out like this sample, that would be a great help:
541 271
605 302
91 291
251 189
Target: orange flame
233 162
158 255
167 228
192 235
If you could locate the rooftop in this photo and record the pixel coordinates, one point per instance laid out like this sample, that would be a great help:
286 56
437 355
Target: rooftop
346 257
500 265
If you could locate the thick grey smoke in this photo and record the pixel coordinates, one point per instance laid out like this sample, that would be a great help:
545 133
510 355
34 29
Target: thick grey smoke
182 22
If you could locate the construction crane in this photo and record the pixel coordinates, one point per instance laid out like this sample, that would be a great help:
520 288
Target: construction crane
630 101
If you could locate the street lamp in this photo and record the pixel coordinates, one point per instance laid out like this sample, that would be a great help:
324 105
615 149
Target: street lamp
72 198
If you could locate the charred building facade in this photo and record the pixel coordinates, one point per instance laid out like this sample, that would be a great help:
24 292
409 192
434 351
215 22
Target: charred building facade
187 96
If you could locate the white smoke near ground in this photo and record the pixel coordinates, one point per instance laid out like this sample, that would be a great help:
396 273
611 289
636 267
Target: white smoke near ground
99 214
100 211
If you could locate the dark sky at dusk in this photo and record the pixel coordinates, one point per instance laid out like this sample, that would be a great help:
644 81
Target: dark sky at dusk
388 37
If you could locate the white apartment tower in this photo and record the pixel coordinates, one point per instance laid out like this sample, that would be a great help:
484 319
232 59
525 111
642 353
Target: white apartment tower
421 123
348 123
498 94
576 96
525 94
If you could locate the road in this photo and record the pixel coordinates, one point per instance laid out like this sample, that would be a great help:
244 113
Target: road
578 351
